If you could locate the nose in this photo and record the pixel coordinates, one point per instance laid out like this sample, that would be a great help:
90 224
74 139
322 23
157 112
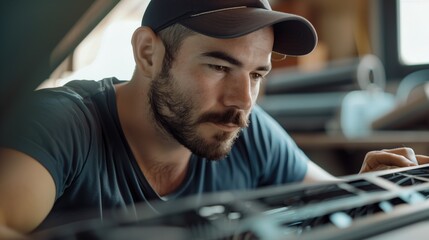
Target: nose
239 92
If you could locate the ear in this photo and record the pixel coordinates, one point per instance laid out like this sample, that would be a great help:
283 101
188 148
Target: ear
144 46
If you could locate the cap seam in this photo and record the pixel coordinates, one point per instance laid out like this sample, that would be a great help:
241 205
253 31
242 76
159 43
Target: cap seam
217 10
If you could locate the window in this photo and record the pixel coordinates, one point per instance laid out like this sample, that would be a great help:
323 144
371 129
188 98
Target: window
107 50
401 36
413 31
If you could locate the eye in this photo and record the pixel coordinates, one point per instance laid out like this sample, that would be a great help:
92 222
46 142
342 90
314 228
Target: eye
219 68
256 76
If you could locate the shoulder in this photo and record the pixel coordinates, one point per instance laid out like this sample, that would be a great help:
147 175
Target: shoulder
78 90
66 109
75 97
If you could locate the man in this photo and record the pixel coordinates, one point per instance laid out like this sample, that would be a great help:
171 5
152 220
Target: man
186 123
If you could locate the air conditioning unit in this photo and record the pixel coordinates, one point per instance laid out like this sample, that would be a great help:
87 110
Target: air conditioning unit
388 204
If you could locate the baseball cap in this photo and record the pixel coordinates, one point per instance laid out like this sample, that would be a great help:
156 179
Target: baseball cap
293 34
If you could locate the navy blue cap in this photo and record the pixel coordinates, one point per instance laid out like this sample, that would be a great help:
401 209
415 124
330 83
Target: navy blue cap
294 35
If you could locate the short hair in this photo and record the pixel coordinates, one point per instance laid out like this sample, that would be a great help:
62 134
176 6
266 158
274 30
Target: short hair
172 38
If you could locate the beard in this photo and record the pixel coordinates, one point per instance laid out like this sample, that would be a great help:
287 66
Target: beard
174 113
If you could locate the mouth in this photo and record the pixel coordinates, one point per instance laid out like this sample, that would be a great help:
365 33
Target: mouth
226 127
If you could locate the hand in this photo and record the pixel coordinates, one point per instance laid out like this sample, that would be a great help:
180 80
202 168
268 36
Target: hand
392 158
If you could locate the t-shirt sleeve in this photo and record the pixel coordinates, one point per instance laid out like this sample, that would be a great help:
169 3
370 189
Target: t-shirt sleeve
52 129
280 159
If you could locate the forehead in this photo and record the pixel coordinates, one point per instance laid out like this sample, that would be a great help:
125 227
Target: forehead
256 46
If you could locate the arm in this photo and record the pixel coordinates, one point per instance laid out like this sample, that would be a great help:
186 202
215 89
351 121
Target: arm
317 174
27 193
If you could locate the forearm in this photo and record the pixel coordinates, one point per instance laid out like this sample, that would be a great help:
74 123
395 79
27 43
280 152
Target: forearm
317 174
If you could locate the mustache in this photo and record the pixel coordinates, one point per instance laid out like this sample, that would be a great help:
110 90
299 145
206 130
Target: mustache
231 116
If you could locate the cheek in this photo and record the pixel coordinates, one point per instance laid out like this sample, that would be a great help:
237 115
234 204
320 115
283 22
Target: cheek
205 96
201 87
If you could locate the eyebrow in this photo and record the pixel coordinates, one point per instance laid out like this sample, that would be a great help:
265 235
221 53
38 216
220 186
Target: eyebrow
230 59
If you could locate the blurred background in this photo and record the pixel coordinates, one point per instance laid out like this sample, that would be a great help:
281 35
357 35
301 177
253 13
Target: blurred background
363 88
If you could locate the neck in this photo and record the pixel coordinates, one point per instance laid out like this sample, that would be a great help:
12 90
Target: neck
163 161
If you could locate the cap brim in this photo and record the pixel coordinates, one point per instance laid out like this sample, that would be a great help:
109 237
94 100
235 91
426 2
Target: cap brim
294 35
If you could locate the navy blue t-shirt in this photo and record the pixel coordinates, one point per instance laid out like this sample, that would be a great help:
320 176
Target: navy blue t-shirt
74 132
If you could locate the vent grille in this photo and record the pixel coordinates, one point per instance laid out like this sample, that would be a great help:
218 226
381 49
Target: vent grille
360 207
410 177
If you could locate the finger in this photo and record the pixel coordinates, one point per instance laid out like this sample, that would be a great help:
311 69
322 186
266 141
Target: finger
422 159
385 158
404 151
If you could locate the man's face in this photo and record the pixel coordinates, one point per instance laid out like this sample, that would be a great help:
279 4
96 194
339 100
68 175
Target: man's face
205 99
